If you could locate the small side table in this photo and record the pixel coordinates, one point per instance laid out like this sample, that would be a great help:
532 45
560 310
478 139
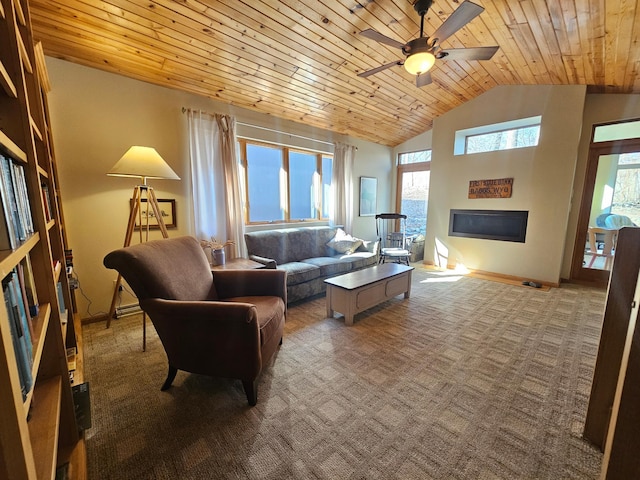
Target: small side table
238 264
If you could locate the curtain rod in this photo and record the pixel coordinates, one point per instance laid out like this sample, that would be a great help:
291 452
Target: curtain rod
184 110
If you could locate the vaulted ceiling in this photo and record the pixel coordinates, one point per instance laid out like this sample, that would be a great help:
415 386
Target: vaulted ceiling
299 59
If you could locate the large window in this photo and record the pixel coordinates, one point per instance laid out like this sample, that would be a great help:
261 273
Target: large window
283 184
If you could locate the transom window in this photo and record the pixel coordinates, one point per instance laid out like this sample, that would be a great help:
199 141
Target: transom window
284 184
520 133
414 157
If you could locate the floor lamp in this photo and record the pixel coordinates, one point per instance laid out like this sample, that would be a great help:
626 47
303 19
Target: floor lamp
143 163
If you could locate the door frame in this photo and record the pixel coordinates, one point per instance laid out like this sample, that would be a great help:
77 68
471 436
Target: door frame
578 272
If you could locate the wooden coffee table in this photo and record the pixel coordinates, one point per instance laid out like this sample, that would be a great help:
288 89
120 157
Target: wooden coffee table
358 291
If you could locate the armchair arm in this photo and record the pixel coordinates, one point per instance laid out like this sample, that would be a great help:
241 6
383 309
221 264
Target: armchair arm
244 283
206 336
267 262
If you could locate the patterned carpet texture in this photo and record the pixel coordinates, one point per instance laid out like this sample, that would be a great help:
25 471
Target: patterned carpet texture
467 379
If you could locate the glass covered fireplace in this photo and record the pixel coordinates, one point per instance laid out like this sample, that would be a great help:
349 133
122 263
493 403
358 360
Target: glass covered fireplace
505 225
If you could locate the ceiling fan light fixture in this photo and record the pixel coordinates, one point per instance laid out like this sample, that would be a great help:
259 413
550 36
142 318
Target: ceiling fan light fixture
419 62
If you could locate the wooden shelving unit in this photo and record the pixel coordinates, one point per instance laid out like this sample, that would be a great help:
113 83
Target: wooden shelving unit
38 429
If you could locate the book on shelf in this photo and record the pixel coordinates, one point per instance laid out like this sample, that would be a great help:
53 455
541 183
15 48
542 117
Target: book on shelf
21 336
8 239
17 224
22 197
46 200
61 303
23 293
82 403
71 358
26 271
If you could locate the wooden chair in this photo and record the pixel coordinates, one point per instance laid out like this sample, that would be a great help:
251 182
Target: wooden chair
391 229
608 243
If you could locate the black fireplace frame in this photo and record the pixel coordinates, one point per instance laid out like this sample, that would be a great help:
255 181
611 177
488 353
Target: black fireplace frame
486 224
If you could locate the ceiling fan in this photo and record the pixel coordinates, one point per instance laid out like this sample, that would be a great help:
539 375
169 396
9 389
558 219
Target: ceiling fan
422 52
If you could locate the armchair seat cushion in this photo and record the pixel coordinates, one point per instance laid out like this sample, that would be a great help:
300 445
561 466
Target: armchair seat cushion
270 314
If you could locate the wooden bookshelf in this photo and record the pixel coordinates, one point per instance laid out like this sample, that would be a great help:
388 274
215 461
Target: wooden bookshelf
39 431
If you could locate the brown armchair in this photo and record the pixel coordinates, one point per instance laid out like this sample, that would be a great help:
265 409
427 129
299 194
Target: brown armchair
223 324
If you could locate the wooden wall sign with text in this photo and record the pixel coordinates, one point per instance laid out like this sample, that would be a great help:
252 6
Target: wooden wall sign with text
499 188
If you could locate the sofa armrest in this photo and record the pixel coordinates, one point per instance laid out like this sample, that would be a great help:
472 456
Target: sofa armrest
244 283
267 262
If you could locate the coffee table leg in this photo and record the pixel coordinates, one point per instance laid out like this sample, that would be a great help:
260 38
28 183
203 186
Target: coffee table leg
348 320
328 300
408 292
350 308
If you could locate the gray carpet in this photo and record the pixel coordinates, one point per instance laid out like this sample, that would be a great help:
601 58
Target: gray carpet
467 379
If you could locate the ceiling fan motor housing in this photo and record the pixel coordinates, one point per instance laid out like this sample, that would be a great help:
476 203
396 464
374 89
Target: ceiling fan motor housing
421 44
421 6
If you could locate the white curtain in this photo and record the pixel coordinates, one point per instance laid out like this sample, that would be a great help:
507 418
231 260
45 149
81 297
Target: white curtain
233 181
215 177
342 185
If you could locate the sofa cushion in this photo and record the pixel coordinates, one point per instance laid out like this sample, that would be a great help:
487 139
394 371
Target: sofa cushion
298 272
301 244
343 242
330 265
268 244
359 260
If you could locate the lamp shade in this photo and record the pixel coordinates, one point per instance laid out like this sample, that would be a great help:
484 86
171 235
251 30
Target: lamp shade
419 62
143 162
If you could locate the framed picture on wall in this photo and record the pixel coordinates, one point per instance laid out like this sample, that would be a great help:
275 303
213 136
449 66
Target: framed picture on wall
368 196
167 210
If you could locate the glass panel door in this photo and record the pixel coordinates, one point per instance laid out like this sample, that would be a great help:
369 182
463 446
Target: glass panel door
414 195
611 200
615 203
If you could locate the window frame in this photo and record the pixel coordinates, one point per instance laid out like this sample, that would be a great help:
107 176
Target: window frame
285 159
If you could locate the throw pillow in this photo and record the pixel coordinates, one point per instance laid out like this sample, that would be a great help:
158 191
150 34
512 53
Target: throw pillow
344 243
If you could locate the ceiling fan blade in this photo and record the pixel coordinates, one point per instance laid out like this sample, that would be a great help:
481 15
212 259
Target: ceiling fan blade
378 37
380 68
423 79
474 53
466 12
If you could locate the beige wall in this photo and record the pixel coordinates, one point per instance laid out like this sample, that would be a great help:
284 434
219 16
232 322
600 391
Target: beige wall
543 178
97 116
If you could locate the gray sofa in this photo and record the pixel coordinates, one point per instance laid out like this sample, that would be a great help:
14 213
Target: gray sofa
304 254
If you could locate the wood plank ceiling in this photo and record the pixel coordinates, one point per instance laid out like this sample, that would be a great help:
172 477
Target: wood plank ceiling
299 59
